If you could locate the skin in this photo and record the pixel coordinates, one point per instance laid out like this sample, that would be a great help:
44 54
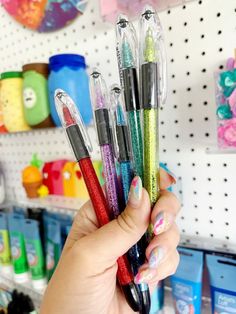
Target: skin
85 279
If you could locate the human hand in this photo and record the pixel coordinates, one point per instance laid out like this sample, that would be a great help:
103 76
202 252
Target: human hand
85 279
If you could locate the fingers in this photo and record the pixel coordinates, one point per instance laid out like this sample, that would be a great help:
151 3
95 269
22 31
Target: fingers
162 257
167 178
114 239
164 212
161 246
84 223
153 275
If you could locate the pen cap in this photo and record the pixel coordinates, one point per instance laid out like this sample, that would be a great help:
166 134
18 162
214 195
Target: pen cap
98 90
152 49
73 124
126 43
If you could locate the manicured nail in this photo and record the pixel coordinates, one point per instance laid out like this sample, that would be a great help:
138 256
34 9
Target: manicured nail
135 193
162 222
156 257
170 173
144 276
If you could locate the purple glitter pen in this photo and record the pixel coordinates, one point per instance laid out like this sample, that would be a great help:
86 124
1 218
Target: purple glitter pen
100 101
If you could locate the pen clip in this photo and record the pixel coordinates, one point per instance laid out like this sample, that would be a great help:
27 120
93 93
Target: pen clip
114 96
62 99
150 17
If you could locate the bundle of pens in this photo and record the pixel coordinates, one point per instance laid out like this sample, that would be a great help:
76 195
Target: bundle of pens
120 136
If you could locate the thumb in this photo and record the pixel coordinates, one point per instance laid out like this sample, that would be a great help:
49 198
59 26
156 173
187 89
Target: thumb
117 237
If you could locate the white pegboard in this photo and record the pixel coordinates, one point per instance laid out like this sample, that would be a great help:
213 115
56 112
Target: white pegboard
200 36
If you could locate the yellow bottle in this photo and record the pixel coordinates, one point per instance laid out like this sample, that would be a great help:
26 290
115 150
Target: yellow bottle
12 102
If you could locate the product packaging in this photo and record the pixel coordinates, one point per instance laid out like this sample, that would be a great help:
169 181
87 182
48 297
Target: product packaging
226 106
157 298
186 283
35 95
12 102
68 72
65 222
5 252
37 214
222 273
16 224
35 255
53 244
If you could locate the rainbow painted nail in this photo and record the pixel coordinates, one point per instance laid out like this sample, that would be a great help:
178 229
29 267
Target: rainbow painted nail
162 222
135 193
156 257
144 276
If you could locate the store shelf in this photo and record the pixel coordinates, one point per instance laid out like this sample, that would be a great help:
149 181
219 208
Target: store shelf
219 151
207 244
53 203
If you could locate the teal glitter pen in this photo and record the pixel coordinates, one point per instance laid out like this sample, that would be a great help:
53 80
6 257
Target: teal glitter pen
153 92
127 60
136 254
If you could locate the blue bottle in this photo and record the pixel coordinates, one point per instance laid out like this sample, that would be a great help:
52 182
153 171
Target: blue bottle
68 72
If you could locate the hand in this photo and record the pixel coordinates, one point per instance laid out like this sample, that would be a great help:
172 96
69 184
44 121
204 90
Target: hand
85 279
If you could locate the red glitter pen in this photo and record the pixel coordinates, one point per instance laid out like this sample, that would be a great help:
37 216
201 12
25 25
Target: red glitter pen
81 146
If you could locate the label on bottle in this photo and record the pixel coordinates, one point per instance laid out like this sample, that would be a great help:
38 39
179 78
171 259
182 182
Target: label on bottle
35 258
18 253
224 303
50 256
5 254
184 298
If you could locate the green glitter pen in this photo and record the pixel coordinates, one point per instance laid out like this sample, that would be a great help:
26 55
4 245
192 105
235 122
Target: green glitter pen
153 90
127 59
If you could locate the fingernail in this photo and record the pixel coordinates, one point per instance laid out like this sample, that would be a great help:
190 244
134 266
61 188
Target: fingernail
162 222
156 257
144 276
135 193
170 173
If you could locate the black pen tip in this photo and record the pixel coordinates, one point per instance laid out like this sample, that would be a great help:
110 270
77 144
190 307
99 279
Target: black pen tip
146 302
132 296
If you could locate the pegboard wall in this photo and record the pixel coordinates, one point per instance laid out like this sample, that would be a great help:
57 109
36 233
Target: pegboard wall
200 36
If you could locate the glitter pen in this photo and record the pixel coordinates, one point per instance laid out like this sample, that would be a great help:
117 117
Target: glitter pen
153 92
127 60
81 147
136 254
100 102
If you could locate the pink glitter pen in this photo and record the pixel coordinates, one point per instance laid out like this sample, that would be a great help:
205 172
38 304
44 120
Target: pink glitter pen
100 102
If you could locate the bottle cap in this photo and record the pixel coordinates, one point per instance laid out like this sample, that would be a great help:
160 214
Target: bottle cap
21 278
12 74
